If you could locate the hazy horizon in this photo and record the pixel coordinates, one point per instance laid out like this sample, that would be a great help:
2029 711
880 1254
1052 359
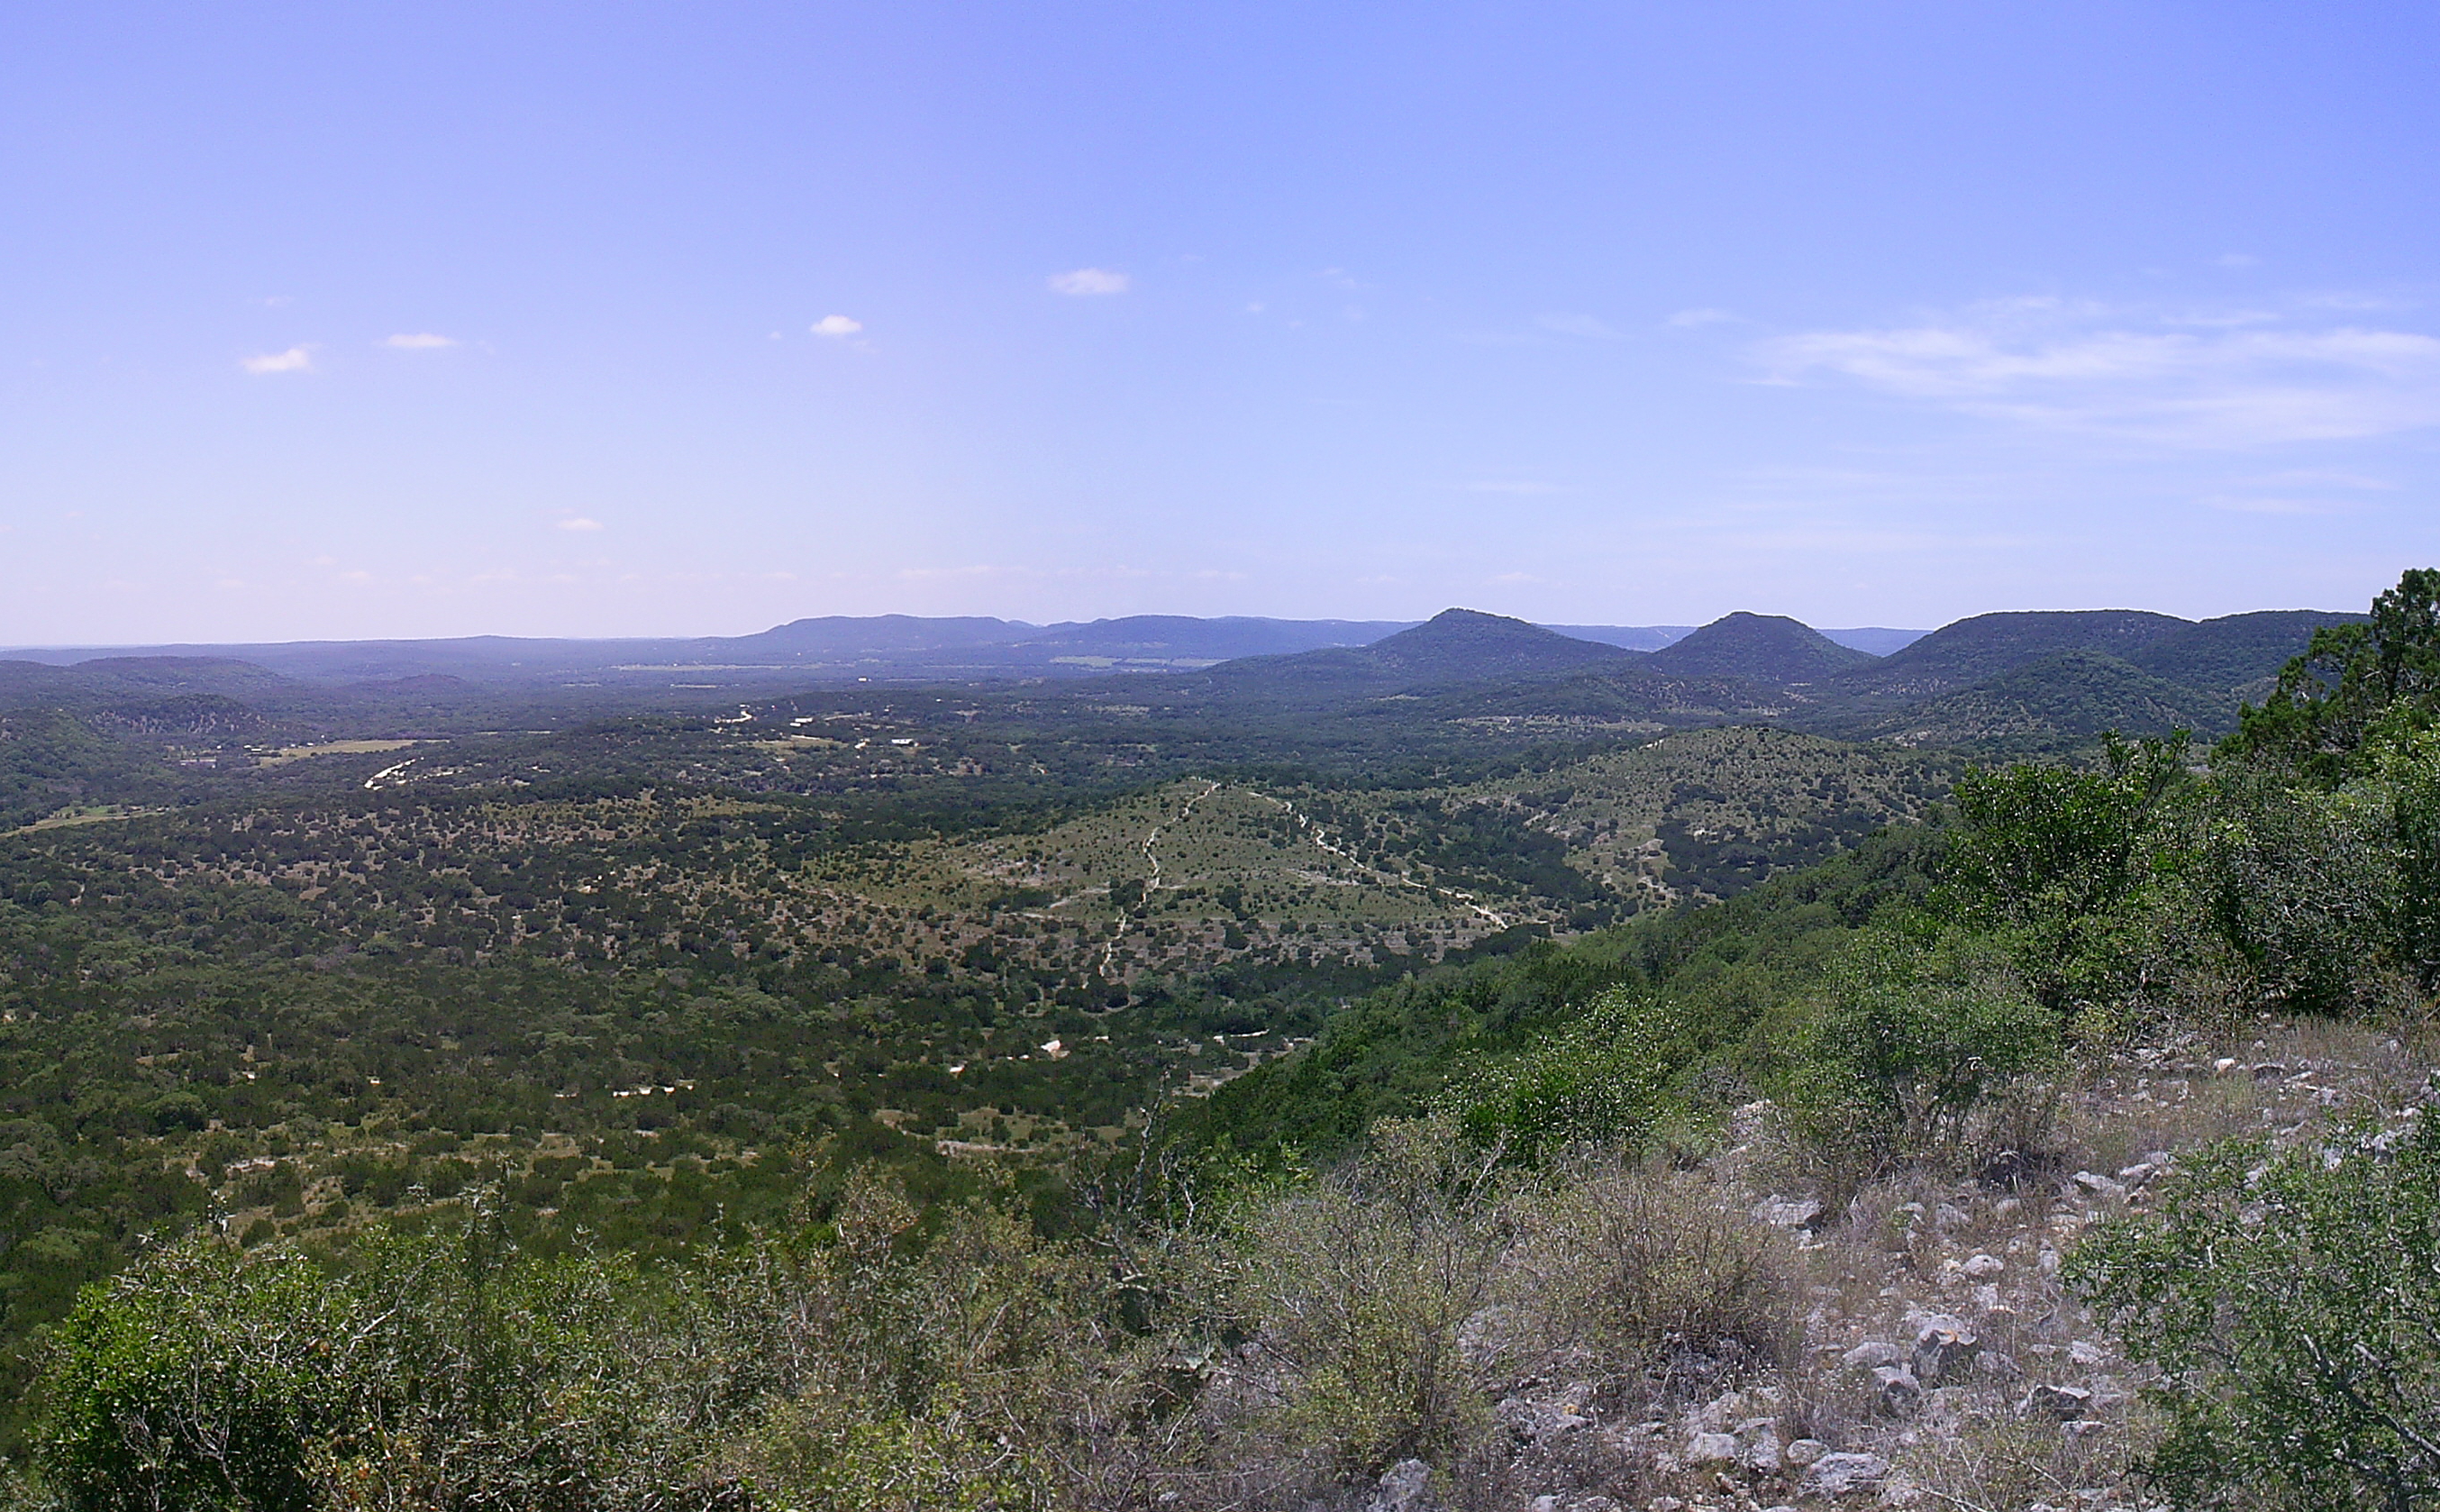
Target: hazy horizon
1561 627
560 323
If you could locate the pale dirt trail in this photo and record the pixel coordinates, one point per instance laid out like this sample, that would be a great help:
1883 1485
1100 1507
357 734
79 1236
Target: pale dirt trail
1319 839
1152 859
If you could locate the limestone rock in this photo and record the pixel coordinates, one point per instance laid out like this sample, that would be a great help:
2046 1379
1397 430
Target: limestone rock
1788 1213
1406 1487
1993 1365
1895 1390
1758 1446
1945 1347
1871 1355
2059 1402
1845 1474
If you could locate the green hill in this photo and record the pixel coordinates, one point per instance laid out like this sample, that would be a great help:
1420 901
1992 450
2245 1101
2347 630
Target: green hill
1768 648
2235 649
2055 704
1454 646
1966 653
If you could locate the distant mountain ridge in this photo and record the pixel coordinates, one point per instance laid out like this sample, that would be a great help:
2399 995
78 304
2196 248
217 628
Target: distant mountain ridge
898 647
2036 677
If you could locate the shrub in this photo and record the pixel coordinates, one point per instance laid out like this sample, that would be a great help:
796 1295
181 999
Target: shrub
822 1454
1911 1035
1598 1081
2296 882
2291 1301
2057 861
1354 1291
203 1380
1655 1271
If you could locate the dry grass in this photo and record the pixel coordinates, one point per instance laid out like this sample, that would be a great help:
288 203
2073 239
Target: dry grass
1990 1459
1658 1274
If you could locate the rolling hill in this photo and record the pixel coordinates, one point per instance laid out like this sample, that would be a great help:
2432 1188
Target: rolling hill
2234 650
1455 646
1766 648
2060 702
1968 651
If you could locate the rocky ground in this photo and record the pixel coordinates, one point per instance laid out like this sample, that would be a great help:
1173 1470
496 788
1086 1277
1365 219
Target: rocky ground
1943 1363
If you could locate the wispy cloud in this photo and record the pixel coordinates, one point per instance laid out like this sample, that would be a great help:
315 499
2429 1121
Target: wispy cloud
1509 485
837 327
420 341
2245 504
578 522
296 359
1688 319
2229 379
1087 282
2324 477
1592 327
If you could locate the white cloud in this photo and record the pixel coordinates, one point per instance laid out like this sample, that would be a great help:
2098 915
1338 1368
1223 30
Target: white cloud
2186 380
1688 319
2240 505
2324 477
420 341
296 359
1089 281
837 327
1590 327
1519 486
578 522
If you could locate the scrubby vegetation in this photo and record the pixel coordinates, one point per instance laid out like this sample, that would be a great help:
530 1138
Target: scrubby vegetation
2063 1142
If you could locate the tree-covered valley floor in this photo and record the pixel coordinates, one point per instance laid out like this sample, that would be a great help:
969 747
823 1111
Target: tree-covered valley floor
909 1099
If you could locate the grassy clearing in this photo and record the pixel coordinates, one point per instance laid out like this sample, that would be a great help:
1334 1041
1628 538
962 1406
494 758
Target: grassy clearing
333 747
89 813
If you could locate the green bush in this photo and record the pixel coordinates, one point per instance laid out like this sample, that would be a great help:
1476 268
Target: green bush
820 1454
1912 1032
1597 1080
2407 796
2291 1300
205 1380
2297 883
2061 862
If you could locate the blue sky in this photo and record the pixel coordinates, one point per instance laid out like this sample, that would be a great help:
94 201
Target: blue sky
375 320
